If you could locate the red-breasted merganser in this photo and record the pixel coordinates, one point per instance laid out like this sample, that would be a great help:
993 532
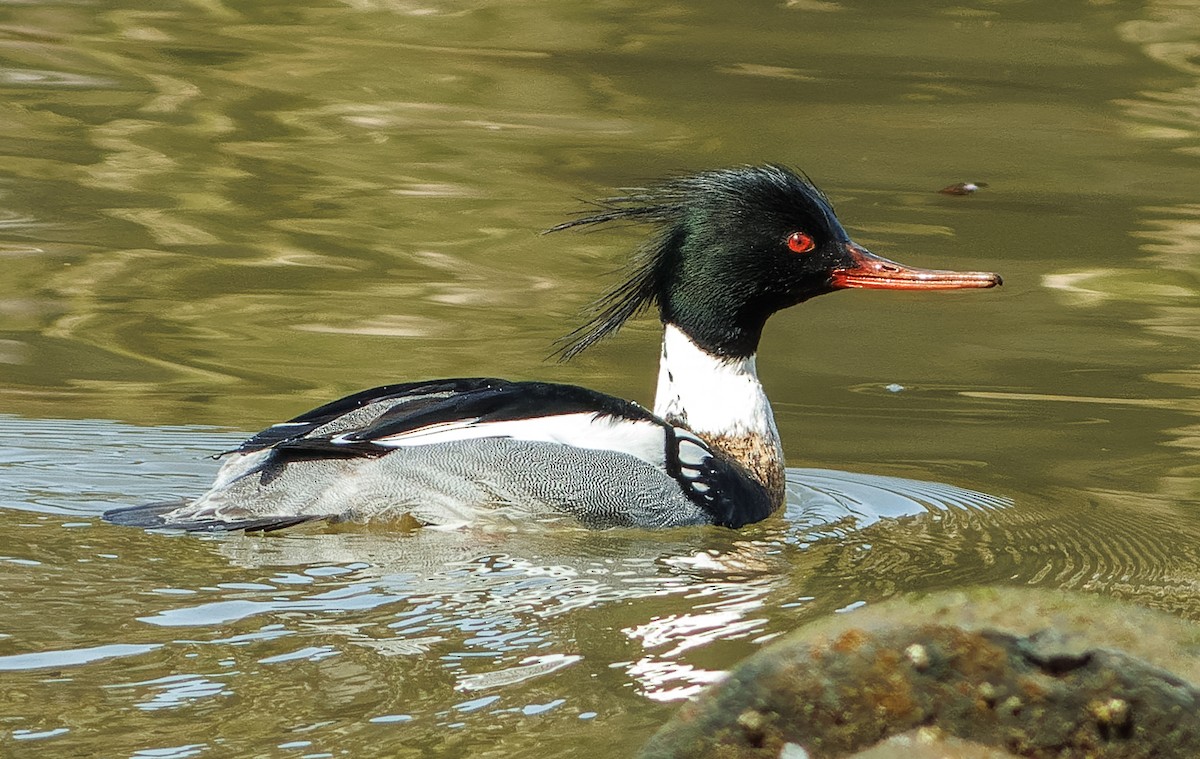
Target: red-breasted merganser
731 248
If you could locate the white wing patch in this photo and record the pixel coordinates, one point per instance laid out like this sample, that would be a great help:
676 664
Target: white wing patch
643 439
692 454
694 457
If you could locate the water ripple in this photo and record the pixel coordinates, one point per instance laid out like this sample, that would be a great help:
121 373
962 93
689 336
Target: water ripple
53 79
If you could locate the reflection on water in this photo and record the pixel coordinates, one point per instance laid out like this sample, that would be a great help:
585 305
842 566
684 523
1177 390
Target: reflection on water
1163 280
497 612
222 213
498 609
1167 35
495 622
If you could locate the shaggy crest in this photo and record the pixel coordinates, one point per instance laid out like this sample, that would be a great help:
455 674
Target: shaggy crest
676 207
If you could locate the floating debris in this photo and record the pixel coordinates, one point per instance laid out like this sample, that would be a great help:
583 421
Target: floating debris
963 188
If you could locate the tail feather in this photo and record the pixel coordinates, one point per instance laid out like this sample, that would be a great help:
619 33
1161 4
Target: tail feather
145 516
150 516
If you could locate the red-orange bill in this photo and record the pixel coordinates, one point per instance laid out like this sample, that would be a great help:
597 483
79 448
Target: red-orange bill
869 271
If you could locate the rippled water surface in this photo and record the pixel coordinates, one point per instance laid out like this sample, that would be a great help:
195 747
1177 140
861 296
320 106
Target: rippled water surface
216 215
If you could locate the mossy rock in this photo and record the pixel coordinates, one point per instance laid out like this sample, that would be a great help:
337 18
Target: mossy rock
982 673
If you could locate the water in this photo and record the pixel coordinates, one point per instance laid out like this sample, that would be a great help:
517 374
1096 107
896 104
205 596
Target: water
214 216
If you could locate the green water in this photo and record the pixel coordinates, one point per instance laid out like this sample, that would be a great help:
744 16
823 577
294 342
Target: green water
215 216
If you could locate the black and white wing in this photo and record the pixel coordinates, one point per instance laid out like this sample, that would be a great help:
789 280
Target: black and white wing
374 422
621 465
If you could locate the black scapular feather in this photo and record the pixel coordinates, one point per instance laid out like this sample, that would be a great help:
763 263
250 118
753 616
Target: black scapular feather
677 206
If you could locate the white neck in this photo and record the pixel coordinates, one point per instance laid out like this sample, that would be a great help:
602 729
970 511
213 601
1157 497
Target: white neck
714 397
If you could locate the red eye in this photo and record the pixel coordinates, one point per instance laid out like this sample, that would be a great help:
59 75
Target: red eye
799 242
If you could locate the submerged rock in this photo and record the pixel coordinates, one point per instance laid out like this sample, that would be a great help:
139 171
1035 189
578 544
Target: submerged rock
985 673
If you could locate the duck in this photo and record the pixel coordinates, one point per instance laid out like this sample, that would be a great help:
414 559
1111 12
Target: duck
728 248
